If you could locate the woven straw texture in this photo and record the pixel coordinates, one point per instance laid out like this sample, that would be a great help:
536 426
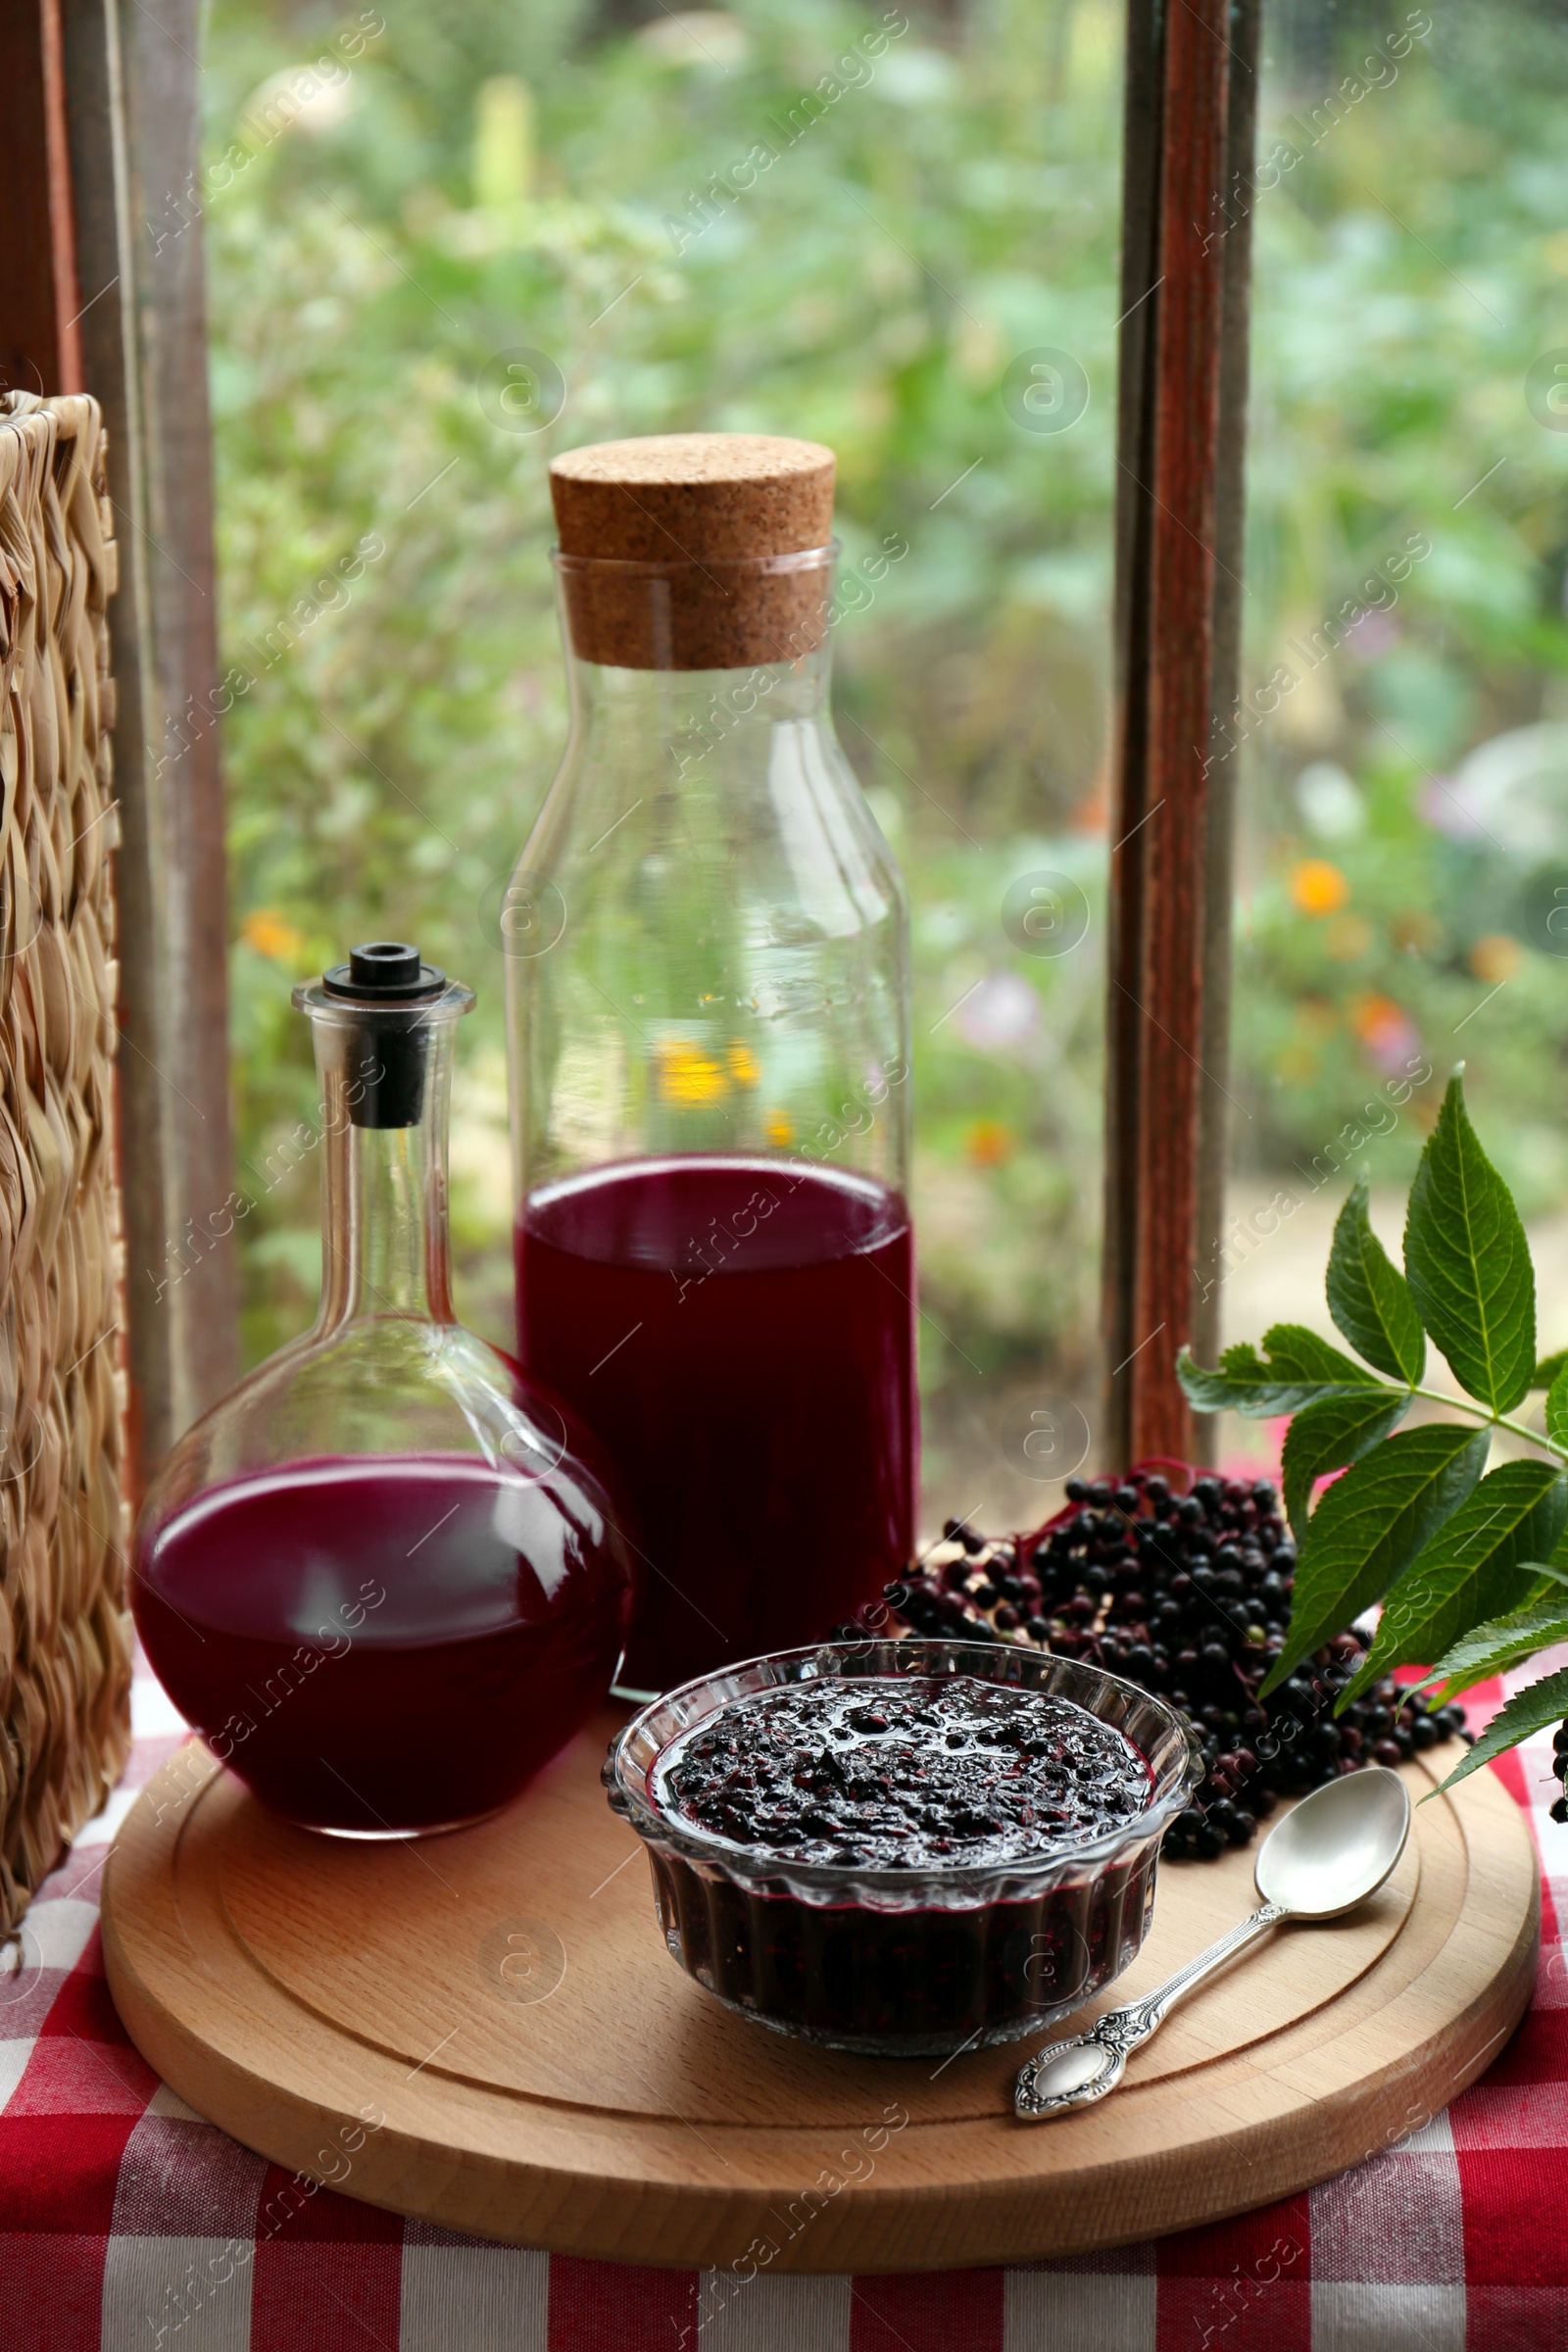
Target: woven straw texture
65 1638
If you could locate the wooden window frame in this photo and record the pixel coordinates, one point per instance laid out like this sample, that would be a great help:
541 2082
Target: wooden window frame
100 130
1188 176
99 124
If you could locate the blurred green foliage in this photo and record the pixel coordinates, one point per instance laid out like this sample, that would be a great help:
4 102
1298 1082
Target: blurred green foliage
1405 808
437 184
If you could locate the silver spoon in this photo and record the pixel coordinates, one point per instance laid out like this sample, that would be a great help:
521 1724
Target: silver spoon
1328 1855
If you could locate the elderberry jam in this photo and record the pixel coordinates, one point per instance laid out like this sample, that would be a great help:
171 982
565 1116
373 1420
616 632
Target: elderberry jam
905 1847
921 1774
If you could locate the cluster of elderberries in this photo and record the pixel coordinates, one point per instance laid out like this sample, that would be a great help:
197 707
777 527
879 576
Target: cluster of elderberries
1187 1594
1560 1765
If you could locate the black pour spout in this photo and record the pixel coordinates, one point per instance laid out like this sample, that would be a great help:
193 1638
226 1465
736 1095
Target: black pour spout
386 980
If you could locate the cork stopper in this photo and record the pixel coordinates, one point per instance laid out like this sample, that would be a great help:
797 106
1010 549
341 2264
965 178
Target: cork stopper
695 551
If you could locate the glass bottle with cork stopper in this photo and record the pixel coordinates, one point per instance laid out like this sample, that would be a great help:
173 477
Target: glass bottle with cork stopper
383 1576
709 1019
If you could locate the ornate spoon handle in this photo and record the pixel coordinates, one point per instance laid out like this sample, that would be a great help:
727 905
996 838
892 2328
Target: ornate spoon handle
1078 2072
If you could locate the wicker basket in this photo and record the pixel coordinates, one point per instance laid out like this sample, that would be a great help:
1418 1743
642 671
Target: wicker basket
65 1638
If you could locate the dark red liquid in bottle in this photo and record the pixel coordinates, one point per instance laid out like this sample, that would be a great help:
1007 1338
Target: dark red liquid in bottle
392 1642
740 1336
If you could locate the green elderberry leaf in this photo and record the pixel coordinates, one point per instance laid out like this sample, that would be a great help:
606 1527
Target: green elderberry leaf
1299 1368
1558 1408
1546 1371
1234 1384
1468 1262
1470 1570
1369 1297
1295 1350
1331 1434
1529 1710
1370 1525
1500 1643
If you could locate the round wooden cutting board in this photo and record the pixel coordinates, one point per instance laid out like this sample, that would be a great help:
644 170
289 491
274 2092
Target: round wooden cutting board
485 2031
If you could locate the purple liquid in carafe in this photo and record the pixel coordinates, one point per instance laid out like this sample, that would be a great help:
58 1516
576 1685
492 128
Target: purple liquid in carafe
740 1334
384 1644
382 1576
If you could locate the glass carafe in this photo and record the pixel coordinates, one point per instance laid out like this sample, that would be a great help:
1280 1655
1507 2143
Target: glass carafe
708 996
383 1577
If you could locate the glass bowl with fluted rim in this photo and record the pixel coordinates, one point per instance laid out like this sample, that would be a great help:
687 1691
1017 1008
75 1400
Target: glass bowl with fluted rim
893 1961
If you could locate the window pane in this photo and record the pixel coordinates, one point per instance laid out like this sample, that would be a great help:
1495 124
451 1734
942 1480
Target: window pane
1402 742
446 239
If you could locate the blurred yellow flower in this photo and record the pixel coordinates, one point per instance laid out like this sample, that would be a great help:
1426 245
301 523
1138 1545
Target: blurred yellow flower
1494 958
742 1063
778 1130
273 934
1317 887
989 1143
689 1075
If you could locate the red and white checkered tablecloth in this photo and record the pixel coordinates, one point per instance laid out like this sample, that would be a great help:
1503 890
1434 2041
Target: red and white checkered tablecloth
128 2222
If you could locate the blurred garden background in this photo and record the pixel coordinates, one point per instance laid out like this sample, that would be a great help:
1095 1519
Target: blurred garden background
400 198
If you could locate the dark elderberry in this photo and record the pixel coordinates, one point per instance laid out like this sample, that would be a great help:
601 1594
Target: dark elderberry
1188 1595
